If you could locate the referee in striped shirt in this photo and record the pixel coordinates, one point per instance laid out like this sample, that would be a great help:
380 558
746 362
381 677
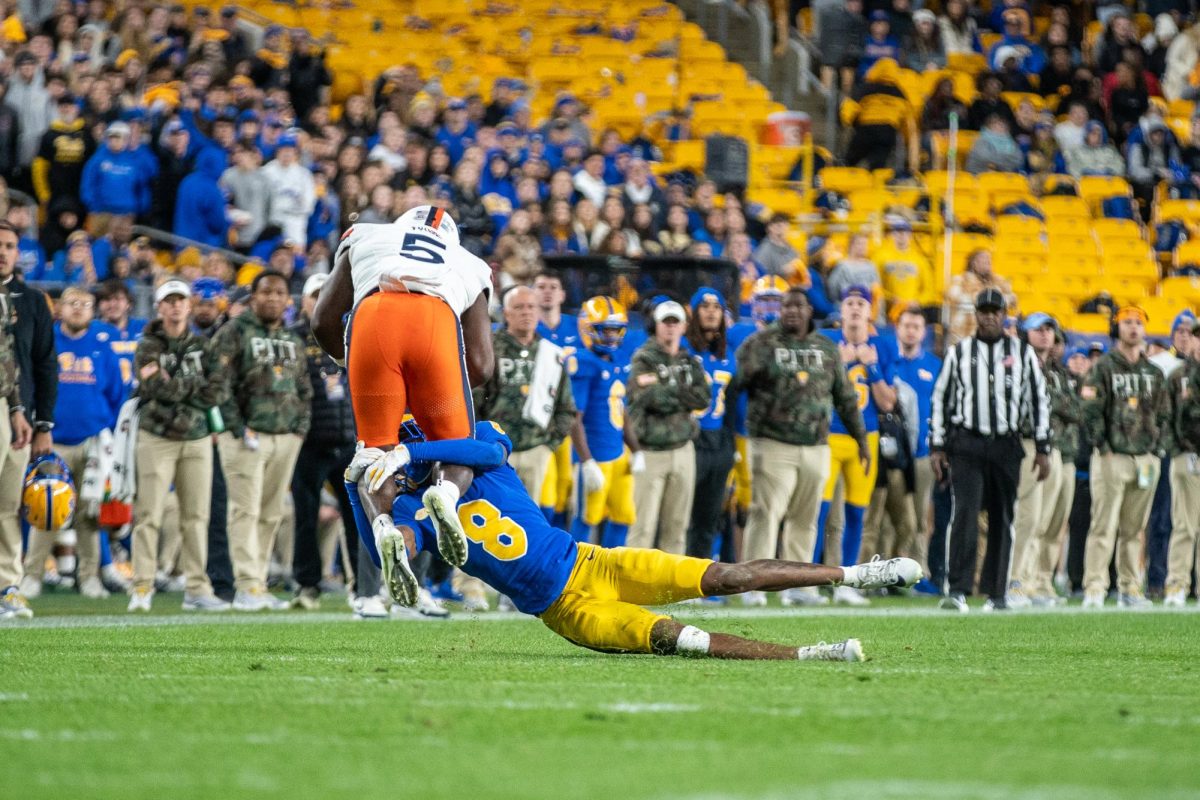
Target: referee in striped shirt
988 384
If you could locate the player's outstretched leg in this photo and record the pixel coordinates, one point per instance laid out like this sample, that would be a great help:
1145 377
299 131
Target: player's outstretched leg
770 575
669 638
398 575
441 501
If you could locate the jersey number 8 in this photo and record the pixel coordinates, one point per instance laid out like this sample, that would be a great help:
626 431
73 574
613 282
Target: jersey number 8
500 536
420 247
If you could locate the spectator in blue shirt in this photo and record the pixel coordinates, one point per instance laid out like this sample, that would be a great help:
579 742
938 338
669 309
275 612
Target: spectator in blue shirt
879 43
457 132
75 264
116 180
200 207
31 257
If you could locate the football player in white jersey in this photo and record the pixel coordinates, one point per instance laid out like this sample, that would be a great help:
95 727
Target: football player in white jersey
417 339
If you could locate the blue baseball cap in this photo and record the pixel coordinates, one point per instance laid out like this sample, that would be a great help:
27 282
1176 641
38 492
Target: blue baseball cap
288 140
456 104
507 129
1077 351
1097 344
858 290
814 245
706 294
249 115
1036 320
135 114
1185 318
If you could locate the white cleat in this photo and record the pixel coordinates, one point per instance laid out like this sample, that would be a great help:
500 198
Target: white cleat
849 650
92 588
475 602
955 602
369 607
849 596
1093 600
140 599
878 574
30 587
505 604
441 501
428 606
754 599
1175 599
13 605
207 603
803 597
398 576
1133 602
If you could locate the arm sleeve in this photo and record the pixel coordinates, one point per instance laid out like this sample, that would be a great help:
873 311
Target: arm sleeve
305 390
44 360
473 453
941 400
220 368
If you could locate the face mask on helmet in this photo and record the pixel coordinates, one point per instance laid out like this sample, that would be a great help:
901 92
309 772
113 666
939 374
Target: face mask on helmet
766 307
410 432
48 498
608 338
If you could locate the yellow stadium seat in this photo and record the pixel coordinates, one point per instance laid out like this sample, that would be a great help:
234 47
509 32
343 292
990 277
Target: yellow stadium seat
1025 243
1117 229
1187 211
1014 99
845 180
937 182
1097 188
1180 288
1003 182
939 142
1017 263
1187 253
1112 248
1181 108
1064 207
1182 128
1015 224
1090 323
970 63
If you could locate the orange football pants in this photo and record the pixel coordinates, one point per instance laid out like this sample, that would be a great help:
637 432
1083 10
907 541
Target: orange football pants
406 354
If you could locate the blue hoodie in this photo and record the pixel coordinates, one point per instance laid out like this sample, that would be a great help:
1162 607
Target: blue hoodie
200 206
116 183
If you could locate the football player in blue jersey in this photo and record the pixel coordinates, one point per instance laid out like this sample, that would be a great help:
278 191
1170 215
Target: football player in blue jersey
707 338
868 360
598 383
563 330
592 596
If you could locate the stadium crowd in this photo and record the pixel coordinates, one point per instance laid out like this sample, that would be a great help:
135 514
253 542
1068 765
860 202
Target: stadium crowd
222 133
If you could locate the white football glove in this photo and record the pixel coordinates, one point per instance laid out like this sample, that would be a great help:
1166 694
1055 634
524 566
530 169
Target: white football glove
384 468
637 462
363 458
593 476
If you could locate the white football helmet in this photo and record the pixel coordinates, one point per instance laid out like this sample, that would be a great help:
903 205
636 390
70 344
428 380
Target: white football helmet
430 220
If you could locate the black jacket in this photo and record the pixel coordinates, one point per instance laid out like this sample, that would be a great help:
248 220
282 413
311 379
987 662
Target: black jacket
36 354
332 419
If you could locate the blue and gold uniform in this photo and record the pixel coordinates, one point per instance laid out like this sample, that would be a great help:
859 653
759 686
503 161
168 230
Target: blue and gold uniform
589 595
124 346
859 484
598 378
556 490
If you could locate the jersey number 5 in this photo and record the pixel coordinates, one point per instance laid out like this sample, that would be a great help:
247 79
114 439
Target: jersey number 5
420 247
501 537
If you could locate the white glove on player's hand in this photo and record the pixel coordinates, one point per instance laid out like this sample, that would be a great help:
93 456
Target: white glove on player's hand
363 458
392 462
593 476
637 462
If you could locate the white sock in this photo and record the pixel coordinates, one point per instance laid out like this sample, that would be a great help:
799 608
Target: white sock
850 576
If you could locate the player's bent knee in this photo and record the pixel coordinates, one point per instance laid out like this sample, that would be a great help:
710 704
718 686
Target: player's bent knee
721 579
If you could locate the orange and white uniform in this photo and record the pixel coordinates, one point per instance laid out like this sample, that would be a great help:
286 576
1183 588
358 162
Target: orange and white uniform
412 281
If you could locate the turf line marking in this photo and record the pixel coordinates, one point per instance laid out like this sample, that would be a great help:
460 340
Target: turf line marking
686 611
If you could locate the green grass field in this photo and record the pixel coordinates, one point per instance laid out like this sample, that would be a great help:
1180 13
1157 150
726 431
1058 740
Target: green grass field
1060 705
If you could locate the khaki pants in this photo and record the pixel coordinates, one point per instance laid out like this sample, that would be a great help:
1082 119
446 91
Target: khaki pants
1042 553
1185 523
896 502
788 482
257 481
188 466
12 481
662 495
1027 515
86 528
923 508
531 466
1120 507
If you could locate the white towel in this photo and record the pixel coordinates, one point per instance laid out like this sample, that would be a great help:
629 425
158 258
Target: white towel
543 384
124 470
91 484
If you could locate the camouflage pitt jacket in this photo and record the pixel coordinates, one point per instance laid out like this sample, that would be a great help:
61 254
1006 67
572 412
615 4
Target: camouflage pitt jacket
1126 407
175 398
794 384
502 399
262 377
1065 410
1184 388
664 390
10 386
